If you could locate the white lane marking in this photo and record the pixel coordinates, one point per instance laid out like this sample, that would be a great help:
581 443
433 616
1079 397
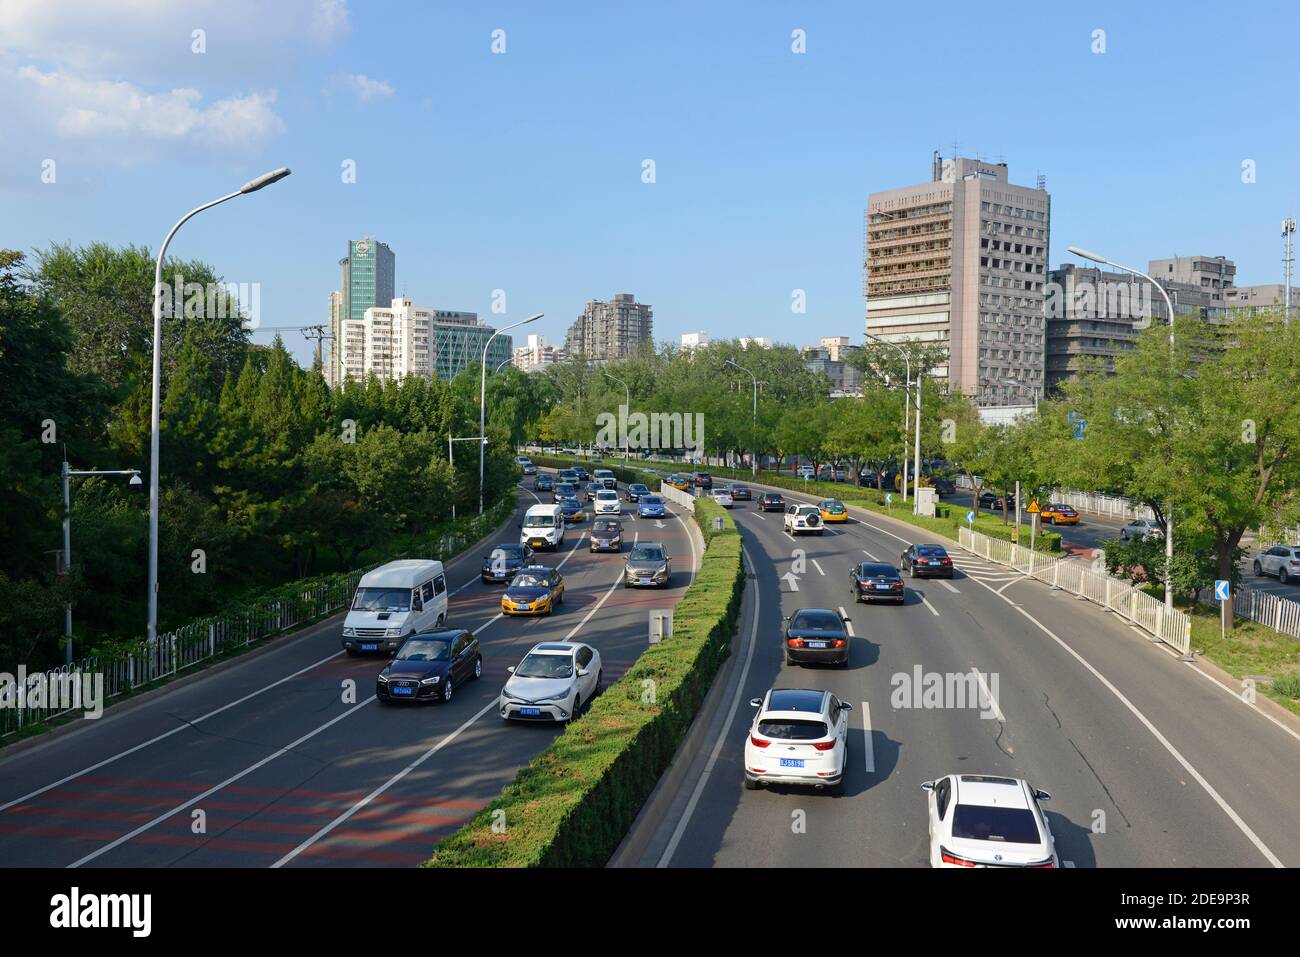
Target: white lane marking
678 831
871 747
869 555
948 585
886 532
217 787
760 515
817 566
848 622
988 695
350 812
1010 583
596 607
167 734
1165 742
934 611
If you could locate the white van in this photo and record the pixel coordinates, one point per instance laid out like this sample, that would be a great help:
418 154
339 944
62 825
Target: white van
542 527
394 601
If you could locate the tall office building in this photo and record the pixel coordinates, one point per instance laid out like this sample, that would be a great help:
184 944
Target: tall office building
609 330
334 368
961 261
369 273
403 339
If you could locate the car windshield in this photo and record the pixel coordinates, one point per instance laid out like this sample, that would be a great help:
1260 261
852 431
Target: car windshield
870 570
646 553
832 503
607 496
816 621
528 580
931 551
539 521
507 552
382 599
1010 825
651 500
638 487
606 526
545 666
792 729
424 649
773 498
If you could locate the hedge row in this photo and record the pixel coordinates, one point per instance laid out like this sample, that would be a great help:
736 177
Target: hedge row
573 803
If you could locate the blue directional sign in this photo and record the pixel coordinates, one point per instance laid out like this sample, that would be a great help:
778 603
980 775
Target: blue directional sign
1222 591
1078 423
889 498
970 518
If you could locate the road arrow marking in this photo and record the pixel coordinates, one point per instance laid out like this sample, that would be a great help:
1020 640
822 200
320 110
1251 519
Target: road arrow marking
793 579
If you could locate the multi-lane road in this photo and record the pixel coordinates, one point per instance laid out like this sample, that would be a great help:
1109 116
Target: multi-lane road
271 761
1150 762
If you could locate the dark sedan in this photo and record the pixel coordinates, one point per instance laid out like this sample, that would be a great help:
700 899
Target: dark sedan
564 490
772 502
944 486
504 561
927 561
636 490
426 667
816 636
741 493
992 500
545 482
607 535
876 581
702 480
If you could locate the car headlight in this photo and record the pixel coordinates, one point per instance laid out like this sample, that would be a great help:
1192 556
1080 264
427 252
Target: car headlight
393 632
557 697
431 681
349 632
383 678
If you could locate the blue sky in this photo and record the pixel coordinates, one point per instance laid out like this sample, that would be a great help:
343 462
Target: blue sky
522 171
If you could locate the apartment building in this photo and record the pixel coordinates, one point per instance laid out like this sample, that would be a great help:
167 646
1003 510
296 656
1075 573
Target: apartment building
961 261
694 340
403 339
536 355
613 329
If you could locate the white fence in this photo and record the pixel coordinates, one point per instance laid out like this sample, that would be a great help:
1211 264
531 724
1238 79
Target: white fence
1168 625
1112 506
677 495
1272 611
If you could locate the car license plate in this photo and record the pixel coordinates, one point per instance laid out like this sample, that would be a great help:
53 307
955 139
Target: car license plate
882 588
645 581
403 691
530 712
369 647
816 644
792 762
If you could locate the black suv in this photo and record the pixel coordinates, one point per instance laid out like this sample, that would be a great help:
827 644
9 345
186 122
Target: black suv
702 480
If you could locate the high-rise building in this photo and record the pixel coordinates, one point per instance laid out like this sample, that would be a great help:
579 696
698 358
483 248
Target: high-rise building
961 261
334 368
536 355
403 339
369 276
830 358
693 340
610 330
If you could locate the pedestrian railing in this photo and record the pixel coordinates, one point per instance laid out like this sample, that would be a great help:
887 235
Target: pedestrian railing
1113 506
1272 611
38 697
1171 626
676 495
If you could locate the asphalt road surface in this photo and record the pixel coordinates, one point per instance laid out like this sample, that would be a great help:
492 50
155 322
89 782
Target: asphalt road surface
1149 761
278 769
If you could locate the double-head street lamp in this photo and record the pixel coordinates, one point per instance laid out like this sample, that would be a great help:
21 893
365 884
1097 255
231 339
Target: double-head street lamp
916 468
627 446
252 186
1033 389
1169 516
68 474
754 453
482 401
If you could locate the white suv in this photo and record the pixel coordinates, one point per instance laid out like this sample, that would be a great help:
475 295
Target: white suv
799 736
607 503
1280 560
803 518
980 820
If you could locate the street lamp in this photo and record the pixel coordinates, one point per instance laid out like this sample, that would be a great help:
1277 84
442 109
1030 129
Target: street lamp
916 468
68 474
754 454
627 447
482 400
252 186
1033 389
1169 511
451 460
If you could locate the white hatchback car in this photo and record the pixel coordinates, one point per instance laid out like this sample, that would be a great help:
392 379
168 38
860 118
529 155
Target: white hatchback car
980 820
552 683
723 497
800 519
607 503
799 736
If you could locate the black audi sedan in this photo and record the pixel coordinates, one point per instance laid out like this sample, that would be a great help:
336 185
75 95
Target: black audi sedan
606 535
816 636
927 561
876 581
772 502
504 560
428 666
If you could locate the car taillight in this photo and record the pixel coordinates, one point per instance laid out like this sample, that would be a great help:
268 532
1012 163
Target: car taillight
823 745
896 585
838 643
758 742
795 642
948 857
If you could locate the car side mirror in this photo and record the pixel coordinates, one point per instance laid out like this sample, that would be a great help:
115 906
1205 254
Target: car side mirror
927 786
511 669
583 672
846 706
755 702
1042 795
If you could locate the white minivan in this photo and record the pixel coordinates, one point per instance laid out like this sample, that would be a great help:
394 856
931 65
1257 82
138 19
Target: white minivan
542 527
394 601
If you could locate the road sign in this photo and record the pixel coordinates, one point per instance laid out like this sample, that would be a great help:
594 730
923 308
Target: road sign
1079 424
889 498
970 518
1222 590
1033 508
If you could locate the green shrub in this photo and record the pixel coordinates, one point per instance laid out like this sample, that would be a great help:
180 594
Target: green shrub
1287 685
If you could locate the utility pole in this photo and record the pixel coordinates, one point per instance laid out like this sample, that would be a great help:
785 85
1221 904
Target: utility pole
319 334
1288 230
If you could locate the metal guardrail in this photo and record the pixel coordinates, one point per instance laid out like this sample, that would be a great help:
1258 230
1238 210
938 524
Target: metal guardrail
1173 627
677 495
201 640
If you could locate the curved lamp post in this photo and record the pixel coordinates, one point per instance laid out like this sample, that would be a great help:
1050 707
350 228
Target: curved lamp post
482 400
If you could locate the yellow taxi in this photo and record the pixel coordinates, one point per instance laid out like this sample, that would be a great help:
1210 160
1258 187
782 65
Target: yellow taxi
680 482
535 590
1054 513
833 510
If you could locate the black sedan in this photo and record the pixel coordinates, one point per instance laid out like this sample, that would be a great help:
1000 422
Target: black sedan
876 581
772 502
740 493
606 535
943 486
503 561
545 482
992 500
636 490
927 561
816 636
428 666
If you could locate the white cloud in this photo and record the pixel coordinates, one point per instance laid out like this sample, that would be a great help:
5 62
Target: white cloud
362 87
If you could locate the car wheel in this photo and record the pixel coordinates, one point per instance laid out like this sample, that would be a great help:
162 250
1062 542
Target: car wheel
352 652
577 707
1282 576
1258 569
1123 535
751 785
478 667
483 579
446 690
441 621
